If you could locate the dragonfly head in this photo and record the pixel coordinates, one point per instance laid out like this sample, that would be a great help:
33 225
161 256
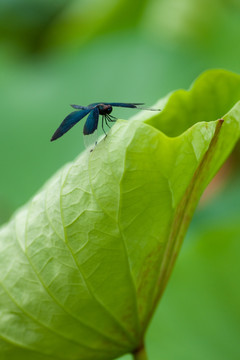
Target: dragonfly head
104 109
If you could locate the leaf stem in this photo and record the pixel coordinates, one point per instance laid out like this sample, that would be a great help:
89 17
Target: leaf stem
140 354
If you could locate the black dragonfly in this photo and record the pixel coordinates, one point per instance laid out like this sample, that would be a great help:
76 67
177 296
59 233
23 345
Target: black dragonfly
94 110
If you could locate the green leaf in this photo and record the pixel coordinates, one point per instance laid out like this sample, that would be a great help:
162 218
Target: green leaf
85 262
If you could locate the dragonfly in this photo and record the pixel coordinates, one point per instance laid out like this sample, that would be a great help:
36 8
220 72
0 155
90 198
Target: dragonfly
93 111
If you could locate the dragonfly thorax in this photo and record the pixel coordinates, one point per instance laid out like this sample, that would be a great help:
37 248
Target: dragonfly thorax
104 109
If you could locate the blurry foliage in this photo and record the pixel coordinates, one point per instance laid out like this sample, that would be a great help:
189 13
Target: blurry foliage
37 26
86 19
40 25
27 22
184 20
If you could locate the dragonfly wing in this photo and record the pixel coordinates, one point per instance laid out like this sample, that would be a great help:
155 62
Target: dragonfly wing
126 105
69 122
92 122
79 107
132 105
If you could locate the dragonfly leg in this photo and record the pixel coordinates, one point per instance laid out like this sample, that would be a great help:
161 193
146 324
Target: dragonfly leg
111 118
106 122
103 127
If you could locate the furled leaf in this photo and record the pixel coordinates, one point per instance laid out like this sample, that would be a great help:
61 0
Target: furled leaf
85 262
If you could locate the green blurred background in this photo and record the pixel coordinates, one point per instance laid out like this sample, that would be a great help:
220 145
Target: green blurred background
54 53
